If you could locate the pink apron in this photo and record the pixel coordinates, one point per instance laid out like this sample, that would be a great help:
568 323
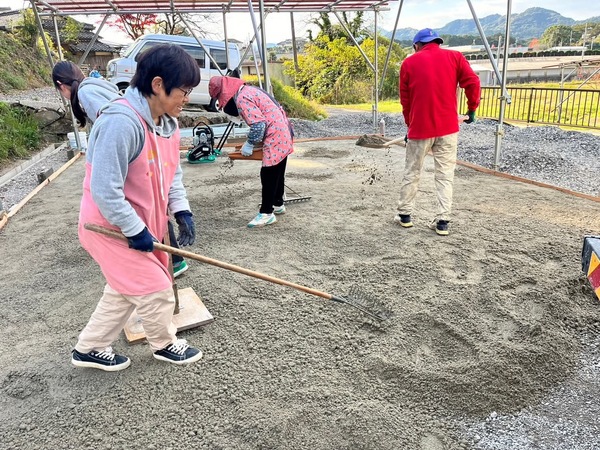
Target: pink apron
126 270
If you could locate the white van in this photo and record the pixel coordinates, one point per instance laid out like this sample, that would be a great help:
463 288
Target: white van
120 71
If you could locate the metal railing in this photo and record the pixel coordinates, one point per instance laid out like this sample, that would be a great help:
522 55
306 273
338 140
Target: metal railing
551 106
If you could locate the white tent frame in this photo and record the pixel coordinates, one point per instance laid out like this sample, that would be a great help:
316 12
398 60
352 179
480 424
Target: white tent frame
106 8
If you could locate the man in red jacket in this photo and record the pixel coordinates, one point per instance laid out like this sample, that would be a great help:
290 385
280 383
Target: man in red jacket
428 93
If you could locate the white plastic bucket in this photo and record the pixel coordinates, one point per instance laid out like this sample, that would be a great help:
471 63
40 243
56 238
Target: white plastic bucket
82 140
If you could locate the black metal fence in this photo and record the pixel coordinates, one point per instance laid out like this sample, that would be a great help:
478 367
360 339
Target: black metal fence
552 106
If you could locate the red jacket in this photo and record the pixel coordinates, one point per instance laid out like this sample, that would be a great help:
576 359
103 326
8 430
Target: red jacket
428 88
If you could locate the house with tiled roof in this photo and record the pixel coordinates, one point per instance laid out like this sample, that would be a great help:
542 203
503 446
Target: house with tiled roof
73 47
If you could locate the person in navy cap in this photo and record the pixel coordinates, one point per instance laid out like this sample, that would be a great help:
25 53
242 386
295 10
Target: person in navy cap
428 93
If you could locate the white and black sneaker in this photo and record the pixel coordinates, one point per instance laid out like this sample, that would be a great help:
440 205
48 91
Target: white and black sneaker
104 360
179 352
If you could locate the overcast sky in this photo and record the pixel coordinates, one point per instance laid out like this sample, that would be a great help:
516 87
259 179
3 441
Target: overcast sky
415 14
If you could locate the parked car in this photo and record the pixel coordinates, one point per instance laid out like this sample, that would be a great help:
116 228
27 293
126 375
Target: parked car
120 71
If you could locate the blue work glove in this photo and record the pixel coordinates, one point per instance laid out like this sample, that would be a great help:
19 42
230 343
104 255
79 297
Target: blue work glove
247 149
471 115
143 241
187 229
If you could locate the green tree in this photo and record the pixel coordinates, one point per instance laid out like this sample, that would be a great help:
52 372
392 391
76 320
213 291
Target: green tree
334 71
557 35
354 23
586 33
71 30
27 30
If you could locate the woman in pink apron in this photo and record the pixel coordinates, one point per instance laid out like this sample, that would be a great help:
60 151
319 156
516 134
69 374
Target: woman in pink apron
132 179
87 97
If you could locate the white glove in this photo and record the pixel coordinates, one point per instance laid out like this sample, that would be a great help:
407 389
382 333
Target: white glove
247 149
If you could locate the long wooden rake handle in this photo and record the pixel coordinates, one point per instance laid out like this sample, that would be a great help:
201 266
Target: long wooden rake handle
215 262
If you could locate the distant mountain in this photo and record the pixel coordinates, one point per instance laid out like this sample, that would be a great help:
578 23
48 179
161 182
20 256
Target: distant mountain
402 34
529 24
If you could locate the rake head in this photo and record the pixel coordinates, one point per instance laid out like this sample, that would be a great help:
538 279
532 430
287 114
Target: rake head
365 303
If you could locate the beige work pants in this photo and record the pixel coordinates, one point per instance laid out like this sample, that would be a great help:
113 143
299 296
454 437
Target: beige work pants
113 311
444 157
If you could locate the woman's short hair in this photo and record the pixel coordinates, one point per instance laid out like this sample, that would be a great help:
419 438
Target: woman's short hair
69 74
172 63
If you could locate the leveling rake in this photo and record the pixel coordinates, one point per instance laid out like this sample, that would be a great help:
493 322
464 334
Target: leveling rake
362 302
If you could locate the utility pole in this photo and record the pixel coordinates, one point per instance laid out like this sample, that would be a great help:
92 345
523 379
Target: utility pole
583 43
498 55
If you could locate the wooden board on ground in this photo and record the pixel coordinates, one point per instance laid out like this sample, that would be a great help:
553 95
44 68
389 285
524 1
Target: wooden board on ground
192 314
257 154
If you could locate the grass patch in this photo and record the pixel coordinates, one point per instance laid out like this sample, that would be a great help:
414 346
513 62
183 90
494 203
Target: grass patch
19 133
393 106
294 104
21 67
384 106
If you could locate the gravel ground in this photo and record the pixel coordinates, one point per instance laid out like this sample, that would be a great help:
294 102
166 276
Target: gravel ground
566 417
568 159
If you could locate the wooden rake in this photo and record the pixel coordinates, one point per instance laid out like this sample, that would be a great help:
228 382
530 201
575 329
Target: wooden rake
358 300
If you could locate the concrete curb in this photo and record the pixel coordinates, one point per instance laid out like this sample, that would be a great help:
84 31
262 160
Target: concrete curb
15 208
51 149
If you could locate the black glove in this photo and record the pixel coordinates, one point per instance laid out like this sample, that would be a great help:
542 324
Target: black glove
187 229
471 115
406 138
143 241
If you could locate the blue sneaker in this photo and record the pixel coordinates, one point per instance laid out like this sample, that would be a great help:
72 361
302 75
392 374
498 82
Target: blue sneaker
261 220
104 360
179 353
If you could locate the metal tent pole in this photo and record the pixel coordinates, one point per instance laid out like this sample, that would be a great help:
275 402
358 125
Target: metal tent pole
260 84
487 46
225 36
361 51
44 40
93 41
58 46
206 52
376 91
294 49
263 34
246 51
257 36
389 52
70 106
503 98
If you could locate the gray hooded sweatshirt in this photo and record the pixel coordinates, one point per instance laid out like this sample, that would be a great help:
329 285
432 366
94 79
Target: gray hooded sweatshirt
116 140
93 94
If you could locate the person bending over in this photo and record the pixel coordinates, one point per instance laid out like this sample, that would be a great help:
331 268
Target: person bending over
269 127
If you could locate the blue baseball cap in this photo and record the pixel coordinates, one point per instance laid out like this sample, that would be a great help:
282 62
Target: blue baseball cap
427 35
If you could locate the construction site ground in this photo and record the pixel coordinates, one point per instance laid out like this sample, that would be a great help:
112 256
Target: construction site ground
491 324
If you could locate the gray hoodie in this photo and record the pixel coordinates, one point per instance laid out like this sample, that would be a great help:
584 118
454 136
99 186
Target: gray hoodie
116 140
93 94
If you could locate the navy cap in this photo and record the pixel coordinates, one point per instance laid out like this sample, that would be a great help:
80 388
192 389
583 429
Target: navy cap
427 35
